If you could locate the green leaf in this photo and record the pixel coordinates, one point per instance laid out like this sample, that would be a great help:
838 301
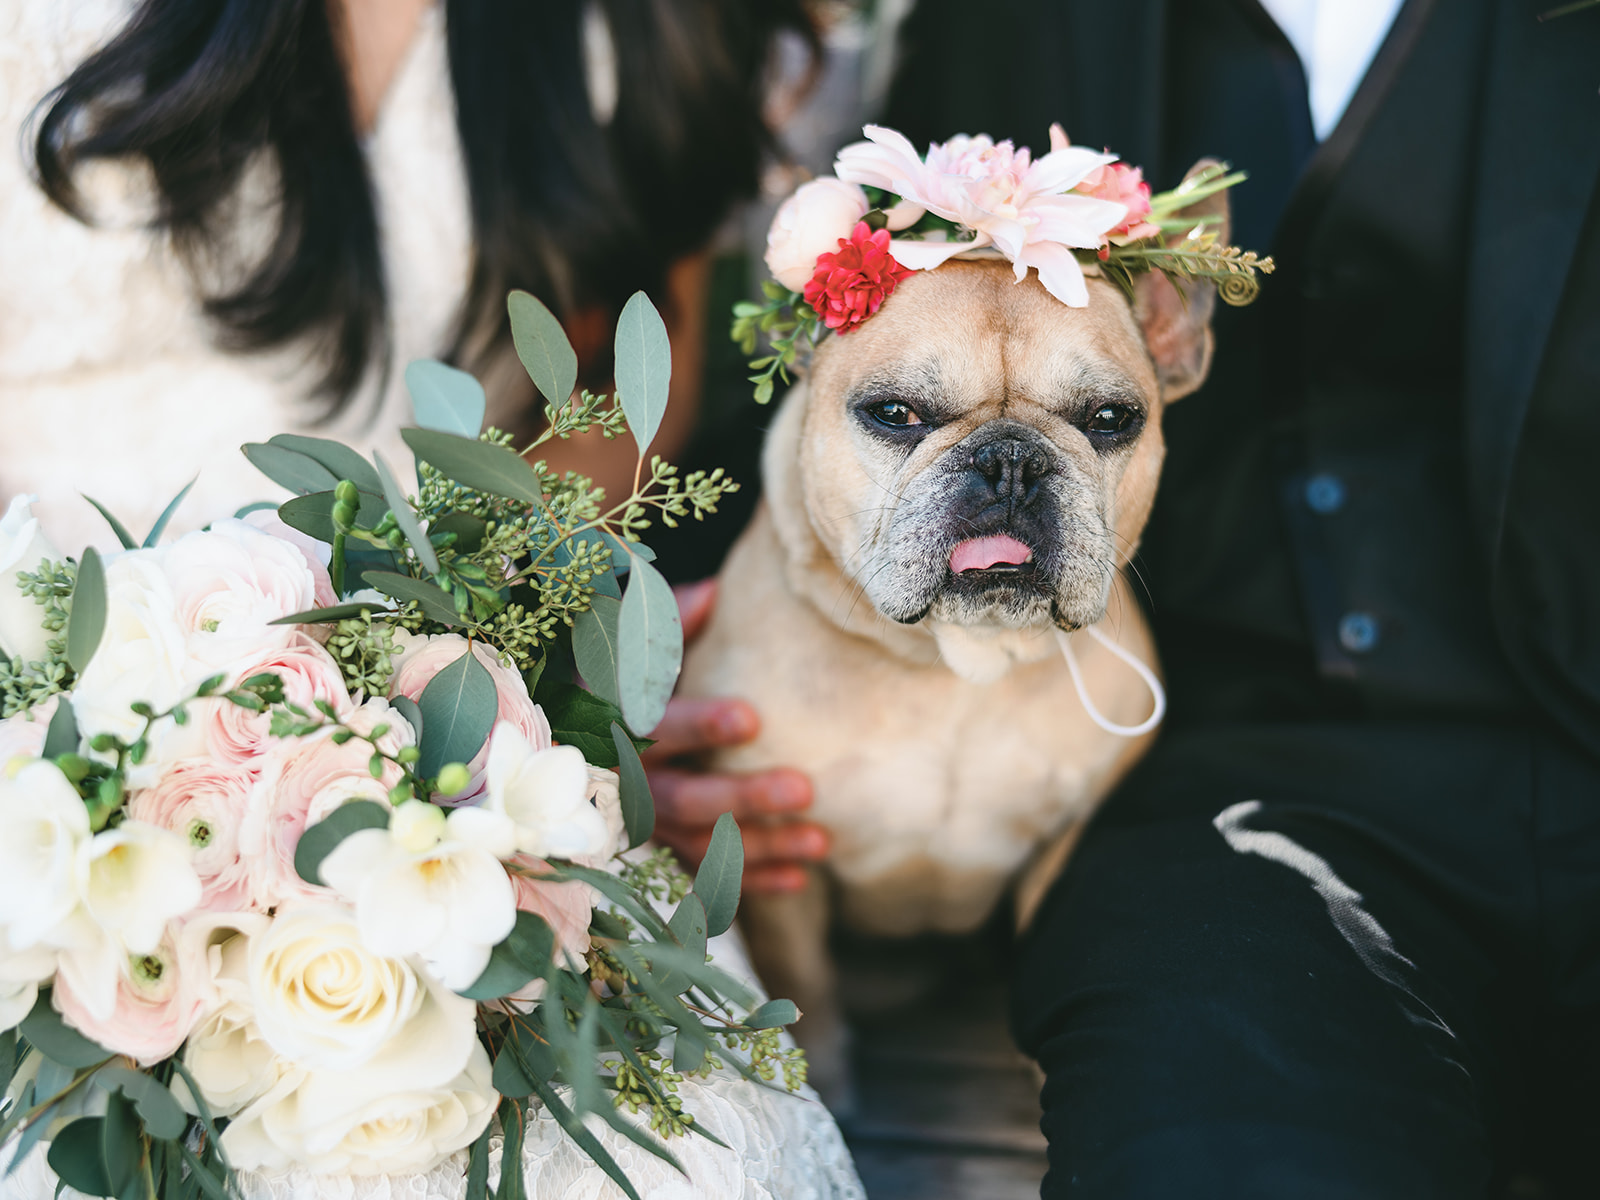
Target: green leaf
161 1113
313 515
407 708
50 1036
202 1174
633 787
594 646
62 736
688 924
77 1157
300 473
721 871
459 707
87 623
469 530
341 461
649 647
38 1126
119 1143
582 719
160 526
339 612
244 510
117 527
478 1167
319 840
498 470
435 601
522 956
543 347
405 517
525 1056
643 367
584 1137
773 1014
445 399
513 1127
622 551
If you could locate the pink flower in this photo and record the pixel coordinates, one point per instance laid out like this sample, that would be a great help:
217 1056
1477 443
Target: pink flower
421 658
1023 208
303 780
229 583
155 1007
22 736
205 803
852 283
309 673
317 554
1121 184
566 907
810 223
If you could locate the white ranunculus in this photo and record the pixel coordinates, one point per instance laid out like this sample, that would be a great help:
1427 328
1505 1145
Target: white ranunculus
355 1123
23 546
810 223
229 583
43 826
142 654
545 793
326 1002
430 885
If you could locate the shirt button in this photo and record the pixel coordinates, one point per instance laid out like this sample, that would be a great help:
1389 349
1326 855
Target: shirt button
1358 632
1325 494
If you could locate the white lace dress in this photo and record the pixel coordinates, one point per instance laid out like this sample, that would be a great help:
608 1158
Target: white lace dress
110 385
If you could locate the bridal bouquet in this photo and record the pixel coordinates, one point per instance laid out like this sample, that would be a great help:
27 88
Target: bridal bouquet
313 851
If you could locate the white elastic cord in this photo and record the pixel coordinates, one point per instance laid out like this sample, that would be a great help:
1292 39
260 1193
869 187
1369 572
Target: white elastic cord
1157 692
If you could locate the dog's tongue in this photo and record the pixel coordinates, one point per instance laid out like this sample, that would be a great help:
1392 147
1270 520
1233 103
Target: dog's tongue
977 554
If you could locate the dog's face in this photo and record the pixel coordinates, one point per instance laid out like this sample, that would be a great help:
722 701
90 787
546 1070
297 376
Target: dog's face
979 454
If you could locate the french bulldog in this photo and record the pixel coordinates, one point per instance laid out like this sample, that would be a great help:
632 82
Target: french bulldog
958 482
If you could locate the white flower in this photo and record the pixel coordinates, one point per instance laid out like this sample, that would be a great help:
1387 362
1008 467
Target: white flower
23 546
810 223
430 885
43 825
134 879
21 974
545 793
359 1123
229 583
226 1053
22 736
327 1002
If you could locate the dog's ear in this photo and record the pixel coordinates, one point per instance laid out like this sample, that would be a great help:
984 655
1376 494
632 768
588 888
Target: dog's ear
1177 328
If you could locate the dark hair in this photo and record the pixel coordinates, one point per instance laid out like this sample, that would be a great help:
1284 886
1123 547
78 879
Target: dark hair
578 213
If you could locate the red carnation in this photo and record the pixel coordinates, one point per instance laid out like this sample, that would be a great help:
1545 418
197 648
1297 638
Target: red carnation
851 283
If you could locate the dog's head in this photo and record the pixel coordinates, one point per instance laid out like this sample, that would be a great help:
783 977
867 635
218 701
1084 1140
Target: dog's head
980 455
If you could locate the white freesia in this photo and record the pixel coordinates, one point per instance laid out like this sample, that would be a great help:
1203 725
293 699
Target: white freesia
43 826
23 546
327 1002
431 885
545 793
810 223
21 974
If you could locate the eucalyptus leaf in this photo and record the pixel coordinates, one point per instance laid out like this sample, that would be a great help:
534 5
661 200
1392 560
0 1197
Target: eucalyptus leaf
313 515
582 719
31 1136
435 602
469 531
445 399
773 1014
47 1033
117 527
643 367
119 1143
622 551
244 510
688 924
721 871
62 735
287 468
513 1127
405 518
649 647
165 518
407 708
594 646
320 840
458 707
159 1110
339 612
523 955
584 1137
77 1158
543 347
482 466
341 461
478 1167
633 787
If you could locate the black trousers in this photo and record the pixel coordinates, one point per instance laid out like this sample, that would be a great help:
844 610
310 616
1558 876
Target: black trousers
1330 961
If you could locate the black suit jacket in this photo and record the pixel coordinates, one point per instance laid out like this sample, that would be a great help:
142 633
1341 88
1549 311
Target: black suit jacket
1531 369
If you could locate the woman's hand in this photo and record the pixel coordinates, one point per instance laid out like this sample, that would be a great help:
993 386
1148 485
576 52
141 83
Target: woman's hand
778 842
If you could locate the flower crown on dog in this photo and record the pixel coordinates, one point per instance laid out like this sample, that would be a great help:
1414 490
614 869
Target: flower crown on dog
841 244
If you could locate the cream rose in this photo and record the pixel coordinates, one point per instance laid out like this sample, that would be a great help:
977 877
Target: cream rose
226 1053
810 223
205 804
23 546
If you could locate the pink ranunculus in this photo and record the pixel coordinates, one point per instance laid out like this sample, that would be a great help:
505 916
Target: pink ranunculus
852 283
309 673
205 803
229 583
22 736
421 658
301 781
155 1007
566 907
810 223
1124 185
1022 207
317 554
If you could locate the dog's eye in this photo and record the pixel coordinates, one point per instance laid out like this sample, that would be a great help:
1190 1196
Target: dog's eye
895 413
1110 418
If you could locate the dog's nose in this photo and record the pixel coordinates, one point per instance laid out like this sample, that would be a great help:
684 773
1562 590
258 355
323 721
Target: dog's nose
1012 466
